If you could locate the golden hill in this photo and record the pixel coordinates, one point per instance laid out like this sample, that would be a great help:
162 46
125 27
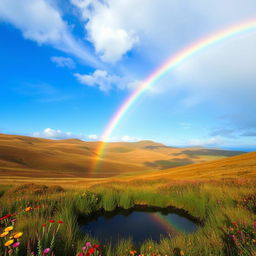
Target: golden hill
23 156
242 166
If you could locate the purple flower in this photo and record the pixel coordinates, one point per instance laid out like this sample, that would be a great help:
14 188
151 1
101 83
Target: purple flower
15 245
88 244
47 250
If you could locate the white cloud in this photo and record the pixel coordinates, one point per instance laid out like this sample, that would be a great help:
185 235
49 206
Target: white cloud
40 21
127 138
109 36
63 62
53 134
157 28
223 75
212 141
101 79
93 137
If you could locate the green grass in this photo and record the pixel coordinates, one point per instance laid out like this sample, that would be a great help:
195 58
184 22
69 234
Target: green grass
216 204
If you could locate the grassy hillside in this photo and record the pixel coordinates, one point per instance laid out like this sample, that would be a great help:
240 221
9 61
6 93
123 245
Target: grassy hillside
242 166
23 156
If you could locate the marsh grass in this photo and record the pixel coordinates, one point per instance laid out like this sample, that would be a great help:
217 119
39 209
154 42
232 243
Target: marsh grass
215 204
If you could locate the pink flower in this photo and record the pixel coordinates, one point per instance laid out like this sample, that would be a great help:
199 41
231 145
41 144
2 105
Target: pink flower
80 254
84 248
47 250
88 244
13 220
15 245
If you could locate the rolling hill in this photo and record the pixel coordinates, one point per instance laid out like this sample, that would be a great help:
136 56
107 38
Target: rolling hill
23 156
242 166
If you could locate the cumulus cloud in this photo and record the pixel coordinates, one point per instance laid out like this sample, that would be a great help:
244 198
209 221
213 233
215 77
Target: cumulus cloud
63 62
111 38
40 21
101 79
115 27
53 134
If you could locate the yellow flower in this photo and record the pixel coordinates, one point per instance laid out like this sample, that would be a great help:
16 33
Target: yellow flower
18 235
182 253
4 234
28 209
10 228
8 243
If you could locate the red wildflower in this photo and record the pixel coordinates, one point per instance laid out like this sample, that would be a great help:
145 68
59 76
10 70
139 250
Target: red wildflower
60 221
51 221
91 250
97 246
5 217
43 225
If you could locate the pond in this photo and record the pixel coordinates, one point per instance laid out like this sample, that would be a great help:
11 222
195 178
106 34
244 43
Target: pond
139 223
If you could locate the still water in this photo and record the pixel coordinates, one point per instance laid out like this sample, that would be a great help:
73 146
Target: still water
138 224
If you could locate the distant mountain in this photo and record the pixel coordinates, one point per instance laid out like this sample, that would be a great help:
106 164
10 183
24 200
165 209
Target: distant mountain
25 156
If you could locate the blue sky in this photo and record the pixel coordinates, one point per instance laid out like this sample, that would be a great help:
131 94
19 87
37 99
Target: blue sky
67 65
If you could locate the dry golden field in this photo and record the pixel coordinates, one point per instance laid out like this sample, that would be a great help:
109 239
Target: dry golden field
68 162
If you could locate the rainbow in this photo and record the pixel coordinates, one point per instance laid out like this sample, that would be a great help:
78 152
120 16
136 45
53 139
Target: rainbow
168 66
169 226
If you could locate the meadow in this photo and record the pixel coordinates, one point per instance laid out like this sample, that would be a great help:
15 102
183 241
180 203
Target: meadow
45 189
43 220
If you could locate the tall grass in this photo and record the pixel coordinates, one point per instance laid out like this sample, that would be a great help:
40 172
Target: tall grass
216 204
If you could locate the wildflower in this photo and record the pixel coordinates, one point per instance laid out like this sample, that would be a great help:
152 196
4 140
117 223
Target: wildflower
60 221
5 217
84 248
97 246
80 254
13 220
88 244
4 234
15 245
8 243
46 250
43 225
51 221
91 250
235 224
18 235
8 229
28 209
